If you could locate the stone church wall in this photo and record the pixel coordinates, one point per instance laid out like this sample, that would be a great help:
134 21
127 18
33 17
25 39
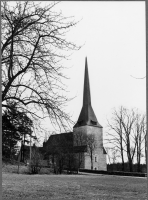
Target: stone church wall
99 158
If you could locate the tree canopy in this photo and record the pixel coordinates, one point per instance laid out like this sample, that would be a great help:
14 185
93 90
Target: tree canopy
15 127
33 44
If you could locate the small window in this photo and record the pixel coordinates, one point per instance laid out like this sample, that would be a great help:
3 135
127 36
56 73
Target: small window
95 158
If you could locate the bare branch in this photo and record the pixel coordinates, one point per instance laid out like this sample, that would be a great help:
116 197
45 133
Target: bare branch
33 45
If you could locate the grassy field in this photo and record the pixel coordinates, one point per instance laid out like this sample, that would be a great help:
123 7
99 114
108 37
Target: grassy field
59 187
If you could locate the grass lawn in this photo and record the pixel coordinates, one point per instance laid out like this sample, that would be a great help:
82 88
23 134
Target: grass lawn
91 187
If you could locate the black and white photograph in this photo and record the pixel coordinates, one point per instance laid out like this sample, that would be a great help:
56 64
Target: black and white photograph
74 100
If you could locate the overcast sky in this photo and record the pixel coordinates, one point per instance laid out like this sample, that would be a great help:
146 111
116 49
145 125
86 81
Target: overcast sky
114 38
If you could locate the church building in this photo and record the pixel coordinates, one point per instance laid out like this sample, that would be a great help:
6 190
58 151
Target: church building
83 147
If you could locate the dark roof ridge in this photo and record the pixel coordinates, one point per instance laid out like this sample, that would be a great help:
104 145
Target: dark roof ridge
61 133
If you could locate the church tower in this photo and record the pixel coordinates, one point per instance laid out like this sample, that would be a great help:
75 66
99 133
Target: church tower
88 132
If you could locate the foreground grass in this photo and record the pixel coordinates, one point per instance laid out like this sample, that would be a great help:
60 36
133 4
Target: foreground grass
59 187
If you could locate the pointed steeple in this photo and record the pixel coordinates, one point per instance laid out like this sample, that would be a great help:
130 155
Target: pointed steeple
86 92
87 115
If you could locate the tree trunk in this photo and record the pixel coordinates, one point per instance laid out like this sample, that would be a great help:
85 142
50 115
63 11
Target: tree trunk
91 161
123 166
130 165
138 159
129 156
122 158
10 147
138 166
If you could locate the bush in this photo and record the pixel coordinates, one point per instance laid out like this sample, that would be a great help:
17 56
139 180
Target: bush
36 157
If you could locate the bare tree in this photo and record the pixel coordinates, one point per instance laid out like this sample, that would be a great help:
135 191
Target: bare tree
91 146
139 137
116 138
128 121
36 159
126 133
113 155
33 43
85 140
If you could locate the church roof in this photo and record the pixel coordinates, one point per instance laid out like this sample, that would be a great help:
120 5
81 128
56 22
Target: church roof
61 138
62 143
87 115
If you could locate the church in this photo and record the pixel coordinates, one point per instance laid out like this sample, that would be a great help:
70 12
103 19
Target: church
82 148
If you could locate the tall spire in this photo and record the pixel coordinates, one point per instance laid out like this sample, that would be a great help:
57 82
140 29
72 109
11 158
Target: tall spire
87 115
86 92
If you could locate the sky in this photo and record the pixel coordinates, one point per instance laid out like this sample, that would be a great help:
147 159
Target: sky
114 41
